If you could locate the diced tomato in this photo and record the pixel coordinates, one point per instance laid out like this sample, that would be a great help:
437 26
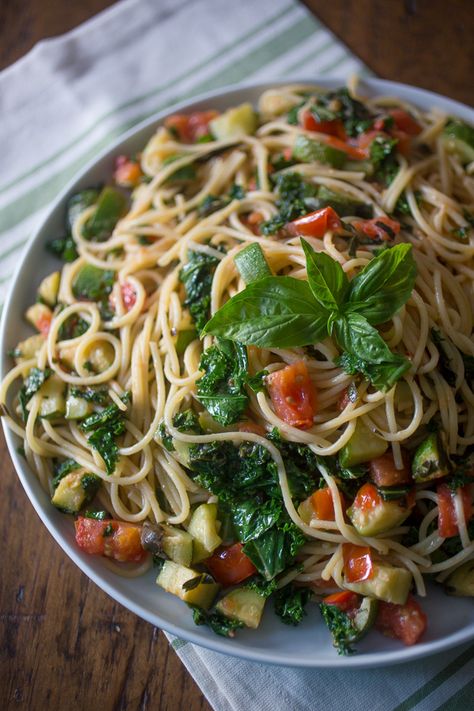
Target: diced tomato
354 152
293 395
190 127
344 600
115 539
365 140
252 427
316 223
43 324
367 498
405 622
333 128
358 564
378 227
447 518
127 173
229 565
253 221
405 122
129 296
323 505
384 473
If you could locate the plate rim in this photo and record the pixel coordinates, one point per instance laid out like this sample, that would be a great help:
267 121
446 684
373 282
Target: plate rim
362 660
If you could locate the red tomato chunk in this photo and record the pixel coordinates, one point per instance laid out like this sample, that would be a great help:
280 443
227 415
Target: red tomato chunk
405 622
447 517
229 565
316 223
358 563
384 473
114 539
293 395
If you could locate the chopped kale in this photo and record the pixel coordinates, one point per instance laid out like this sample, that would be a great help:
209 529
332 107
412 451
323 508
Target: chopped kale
62 469
261 586
210 204
218 623
236 192
72 327
290 603
105 426
97 515
293 191
340 627
196 276
97 395
31 385
221 388
64 248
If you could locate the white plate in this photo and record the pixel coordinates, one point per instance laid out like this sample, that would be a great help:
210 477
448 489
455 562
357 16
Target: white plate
450 620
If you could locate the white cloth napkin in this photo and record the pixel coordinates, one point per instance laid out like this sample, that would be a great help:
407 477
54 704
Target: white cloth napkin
69 98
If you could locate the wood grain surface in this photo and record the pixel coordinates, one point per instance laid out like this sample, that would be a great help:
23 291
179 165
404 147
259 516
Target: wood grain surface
63 642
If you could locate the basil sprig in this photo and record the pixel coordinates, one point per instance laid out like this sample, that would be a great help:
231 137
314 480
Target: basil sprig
284 312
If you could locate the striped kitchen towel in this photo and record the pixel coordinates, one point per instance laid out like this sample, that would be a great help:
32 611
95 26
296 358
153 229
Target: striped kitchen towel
72 96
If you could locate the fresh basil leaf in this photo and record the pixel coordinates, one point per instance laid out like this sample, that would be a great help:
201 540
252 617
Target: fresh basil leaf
326 277
275 311
384 285
356 336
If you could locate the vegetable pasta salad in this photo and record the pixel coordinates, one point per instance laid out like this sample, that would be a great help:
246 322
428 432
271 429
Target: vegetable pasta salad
254 369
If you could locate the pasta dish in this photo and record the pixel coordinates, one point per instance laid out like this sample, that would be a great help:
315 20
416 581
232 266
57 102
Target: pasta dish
254 368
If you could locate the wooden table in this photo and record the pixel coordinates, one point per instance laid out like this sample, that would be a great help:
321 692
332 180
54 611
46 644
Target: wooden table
64 643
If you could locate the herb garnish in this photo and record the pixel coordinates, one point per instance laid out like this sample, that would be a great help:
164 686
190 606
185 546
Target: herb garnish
284 312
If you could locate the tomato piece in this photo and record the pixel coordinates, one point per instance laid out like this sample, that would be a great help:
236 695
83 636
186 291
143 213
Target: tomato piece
354 152
252 427
365 140
115 539
253 221
127 173
367 497
129 296
378 227
447 517
199 123
323 505
405 622
44 324
358 564
333 128
405 122
344 600
229 565
190 127
293 394
316 223
384 473
178 124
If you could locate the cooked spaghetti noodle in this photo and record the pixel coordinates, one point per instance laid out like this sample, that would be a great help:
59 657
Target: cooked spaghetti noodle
202 193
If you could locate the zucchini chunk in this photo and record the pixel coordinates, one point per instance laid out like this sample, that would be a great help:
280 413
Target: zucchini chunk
190 586
461 580
49 287
371 515
39 315
28 348
53 402
365 617
388 583
239 121
244 605
251 263
458 138
307 150
203 528
167 542
75 490
363 446
430 460
77 407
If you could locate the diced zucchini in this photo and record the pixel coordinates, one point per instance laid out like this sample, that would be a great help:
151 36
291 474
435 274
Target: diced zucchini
241 120
251 263
430 460
39 315
306 511
184 338
92 283
461 580
101 357
364 618
208 423
29 348
49 287
77 407
244 605
177 545
53 402
75 490
388 583
343 204
308 151
203 529
182 451
173 577
363 446
111 205
381 516
458 138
